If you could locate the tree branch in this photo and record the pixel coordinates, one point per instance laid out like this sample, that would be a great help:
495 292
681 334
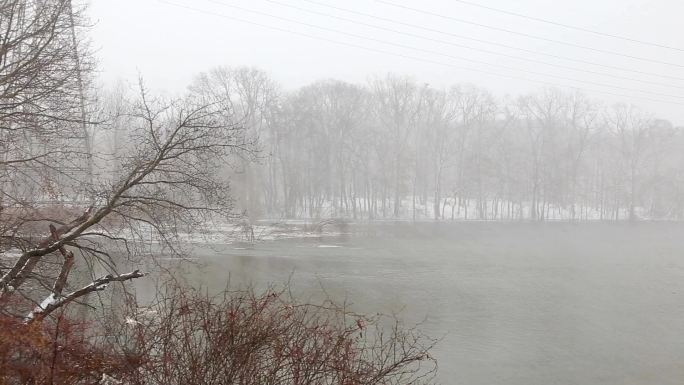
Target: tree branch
52 302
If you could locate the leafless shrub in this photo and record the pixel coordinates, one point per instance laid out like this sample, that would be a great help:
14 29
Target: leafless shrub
60 352
239 337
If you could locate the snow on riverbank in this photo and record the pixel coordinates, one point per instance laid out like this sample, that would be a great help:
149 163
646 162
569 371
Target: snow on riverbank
264 230
451 208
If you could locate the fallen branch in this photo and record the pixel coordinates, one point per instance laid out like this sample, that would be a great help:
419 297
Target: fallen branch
53 302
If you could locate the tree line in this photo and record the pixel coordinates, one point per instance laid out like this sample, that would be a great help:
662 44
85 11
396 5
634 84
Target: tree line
396 148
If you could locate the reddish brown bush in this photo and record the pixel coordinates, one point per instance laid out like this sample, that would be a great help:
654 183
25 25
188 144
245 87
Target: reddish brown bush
189 338
241 338
61 352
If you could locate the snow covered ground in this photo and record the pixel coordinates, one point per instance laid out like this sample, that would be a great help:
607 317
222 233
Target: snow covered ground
469 210
263 230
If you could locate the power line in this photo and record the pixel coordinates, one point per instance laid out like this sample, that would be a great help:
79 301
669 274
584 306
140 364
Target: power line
440 53
527 34
411 57
416 26
568 26
470 47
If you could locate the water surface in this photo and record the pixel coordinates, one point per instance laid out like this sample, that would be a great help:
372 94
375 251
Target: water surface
517 304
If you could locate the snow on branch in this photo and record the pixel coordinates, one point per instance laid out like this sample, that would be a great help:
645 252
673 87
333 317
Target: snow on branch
53 302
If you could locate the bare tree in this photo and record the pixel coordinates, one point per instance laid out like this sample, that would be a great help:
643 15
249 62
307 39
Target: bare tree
398 103
41 124
167 188
249 98
633 141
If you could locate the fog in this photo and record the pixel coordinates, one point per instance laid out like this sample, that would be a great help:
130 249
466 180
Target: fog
505 182
528 303
172 41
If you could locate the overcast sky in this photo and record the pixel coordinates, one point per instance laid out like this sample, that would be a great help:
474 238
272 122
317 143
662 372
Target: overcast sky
170 41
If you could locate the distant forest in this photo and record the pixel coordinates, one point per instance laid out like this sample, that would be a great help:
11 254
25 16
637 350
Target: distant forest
397 148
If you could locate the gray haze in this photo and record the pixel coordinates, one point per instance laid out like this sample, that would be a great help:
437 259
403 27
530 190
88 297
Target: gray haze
526 304
168 44
514 190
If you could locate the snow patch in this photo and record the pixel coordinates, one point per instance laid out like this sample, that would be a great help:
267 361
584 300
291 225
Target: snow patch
47 301
43 305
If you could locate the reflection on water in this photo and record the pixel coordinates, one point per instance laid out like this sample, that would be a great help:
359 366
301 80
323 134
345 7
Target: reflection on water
517 304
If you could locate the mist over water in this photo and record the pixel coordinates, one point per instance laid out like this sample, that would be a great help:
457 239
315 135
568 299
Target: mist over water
524 304
507 178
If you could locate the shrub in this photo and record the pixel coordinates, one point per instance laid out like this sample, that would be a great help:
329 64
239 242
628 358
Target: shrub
186 337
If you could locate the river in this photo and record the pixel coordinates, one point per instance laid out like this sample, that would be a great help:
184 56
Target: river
516 304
